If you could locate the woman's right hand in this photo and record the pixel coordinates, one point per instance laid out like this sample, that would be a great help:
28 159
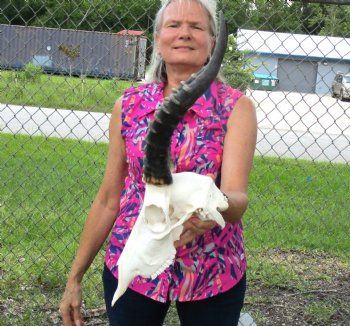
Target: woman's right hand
70 307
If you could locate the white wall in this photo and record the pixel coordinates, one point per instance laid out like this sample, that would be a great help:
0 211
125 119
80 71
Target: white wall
326 73
265 65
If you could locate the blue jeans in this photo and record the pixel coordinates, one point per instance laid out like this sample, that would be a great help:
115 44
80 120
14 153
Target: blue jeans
134 309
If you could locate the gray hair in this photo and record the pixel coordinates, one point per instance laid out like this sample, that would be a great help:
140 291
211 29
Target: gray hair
157 70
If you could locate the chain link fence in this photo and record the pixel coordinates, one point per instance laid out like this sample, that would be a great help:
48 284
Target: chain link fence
62 66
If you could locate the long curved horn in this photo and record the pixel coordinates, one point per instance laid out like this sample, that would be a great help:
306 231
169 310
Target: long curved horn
157 159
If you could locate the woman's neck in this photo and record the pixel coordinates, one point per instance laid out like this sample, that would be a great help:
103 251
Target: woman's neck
175 78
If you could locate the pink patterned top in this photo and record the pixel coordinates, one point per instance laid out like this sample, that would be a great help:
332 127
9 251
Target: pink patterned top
215 261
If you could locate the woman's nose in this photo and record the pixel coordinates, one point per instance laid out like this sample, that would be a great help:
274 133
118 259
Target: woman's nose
185 32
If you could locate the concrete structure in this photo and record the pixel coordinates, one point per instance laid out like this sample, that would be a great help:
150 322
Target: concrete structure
101 54
302 63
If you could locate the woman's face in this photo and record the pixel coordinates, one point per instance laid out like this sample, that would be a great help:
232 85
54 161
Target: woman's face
184 38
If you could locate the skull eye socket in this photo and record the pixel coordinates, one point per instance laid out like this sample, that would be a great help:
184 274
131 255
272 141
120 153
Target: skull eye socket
156 214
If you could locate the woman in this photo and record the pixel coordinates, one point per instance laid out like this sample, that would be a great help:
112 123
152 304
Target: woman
216 137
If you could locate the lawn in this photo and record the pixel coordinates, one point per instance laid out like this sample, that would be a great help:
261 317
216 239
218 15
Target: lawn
64 92
299 204
47 186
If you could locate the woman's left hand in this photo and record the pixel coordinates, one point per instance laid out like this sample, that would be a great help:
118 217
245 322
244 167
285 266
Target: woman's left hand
193 228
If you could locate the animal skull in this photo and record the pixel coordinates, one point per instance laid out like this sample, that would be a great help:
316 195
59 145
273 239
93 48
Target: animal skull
150 247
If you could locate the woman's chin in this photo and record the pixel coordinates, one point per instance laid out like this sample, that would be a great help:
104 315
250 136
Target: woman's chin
188 63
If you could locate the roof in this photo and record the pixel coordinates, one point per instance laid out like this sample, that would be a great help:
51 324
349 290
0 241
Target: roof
265 76
131 32
302 45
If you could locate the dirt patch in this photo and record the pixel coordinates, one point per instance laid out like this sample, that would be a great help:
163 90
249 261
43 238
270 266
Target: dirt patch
315 291
320 296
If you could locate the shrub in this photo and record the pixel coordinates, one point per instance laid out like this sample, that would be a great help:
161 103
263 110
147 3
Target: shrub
32 72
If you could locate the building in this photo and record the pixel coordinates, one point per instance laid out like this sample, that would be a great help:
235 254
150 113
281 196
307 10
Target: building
65 51
302 63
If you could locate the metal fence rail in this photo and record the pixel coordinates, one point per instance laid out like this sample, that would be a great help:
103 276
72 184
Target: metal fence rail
62 66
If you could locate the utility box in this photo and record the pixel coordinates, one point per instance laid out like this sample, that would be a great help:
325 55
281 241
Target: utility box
264 82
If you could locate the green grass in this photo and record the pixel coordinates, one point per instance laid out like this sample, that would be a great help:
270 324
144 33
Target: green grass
322 311
85 94
47 185
299 204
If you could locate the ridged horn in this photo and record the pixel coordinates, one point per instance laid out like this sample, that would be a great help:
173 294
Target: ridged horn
157 161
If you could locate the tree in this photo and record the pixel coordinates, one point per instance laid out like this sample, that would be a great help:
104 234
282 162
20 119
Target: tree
19 12
115 15
237 70
331 20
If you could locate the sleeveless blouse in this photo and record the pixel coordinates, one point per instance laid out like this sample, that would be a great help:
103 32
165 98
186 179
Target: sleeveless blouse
214 262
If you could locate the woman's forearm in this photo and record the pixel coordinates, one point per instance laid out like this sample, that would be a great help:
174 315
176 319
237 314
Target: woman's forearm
96 230
238 203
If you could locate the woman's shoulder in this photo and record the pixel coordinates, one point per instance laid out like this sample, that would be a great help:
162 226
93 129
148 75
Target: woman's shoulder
228 96
225 90
140 99
142 89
